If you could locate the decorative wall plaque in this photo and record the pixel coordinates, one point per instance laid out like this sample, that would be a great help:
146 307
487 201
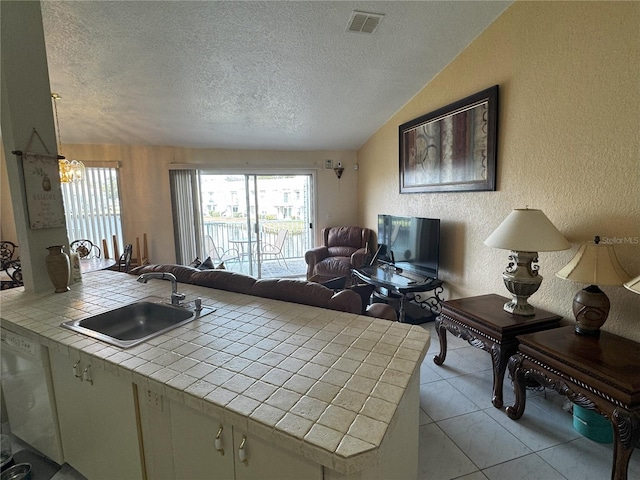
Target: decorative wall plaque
42 188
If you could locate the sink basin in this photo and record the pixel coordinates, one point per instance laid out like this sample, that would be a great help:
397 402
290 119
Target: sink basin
136 323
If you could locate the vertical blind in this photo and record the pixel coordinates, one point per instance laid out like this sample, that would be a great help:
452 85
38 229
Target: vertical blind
187 216
92 206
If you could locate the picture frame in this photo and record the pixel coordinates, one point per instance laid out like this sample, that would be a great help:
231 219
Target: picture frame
452 149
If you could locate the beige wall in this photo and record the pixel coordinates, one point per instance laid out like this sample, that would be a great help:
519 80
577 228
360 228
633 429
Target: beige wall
569 76
144 184
568 144
8 225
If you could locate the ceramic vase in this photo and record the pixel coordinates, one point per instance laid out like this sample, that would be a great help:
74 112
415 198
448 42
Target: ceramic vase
58 268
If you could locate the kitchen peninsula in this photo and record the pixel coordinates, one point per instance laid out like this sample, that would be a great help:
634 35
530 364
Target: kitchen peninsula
259 387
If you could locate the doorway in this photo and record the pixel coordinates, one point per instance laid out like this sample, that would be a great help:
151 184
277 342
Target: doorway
258 224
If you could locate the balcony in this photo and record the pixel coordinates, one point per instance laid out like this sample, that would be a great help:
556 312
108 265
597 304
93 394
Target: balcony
228 240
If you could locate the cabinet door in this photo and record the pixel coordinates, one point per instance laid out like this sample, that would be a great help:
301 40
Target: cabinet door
265 461
97 420
195 456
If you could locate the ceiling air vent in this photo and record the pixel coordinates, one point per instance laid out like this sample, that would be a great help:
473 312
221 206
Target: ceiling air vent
363 22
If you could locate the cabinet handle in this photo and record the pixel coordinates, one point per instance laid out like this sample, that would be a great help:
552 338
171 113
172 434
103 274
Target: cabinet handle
242 453
218 441
86 374
76 370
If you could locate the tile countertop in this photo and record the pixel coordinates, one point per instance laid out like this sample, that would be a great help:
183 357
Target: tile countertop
321 383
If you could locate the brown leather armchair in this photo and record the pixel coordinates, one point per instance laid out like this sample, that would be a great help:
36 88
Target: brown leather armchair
343 248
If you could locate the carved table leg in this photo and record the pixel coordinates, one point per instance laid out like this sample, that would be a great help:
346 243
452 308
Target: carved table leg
442 335
517 375
626 427
499 367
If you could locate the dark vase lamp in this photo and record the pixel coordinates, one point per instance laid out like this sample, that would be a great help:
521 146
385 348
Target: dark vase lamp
525 232
594 264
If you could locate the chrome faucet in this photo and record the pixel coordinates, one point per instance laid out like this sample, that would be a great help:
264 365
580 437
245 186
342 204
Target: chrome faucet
176 297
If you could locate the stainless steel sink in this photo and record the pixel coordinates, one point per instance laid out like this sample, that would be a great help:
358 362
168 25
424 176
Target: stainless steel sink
136 323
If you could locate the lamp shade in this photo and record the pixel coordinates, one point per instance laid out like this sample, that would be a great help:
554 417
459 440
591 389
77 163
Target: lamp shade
527 230
633 285
595 264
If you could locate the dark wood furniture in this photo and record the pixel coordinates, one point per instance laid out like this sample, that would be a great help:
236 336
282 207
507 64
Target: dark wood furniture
601 374
483 322
392 284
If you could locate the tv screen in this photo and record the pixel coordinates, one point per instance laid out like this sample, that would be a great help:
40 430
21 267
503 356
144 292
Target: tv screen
412 243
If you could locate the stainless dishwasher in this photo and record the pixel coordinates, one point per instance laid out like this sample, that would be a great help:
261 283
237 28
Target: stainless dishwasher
28 394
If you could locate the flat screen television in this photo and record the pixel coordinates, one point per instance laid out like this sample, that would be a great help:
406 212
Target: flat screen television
410 243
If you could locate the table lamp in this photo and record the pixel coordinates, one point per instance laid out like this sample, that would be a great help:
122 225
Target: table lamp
596 264
633 285
525 232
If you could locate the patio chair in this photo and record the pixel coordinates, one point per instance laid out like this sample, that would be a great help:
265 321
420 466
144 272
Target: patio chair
85 248
276 248
218 255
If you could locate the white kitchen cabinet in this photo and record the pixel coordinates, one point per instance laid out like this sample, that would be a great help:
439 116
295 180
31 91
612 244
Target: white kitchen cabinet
196 453
97 416
265 461
197 456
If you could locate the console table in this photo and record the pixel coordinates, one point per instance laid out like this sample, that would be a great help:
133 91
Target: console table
424 291
483 322
601 374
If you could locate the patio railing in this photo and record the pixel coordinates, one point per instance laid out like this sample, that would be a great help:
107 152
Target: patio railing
222 233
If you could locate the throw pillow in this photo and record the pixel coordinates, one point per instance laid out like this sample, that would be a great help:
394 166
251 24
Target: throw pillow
196 263
207 264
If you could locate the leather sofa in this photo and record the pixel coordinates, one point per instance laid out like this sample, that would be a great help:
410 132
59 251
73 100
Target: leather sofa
342 249
285 289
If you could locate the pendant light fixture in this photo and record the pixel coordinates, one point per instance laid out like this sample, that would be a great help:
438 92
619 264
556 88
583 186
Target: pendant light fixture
71 171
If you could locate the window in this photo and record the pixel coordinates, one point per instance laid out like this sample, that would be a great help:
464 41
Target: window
92 206
240 233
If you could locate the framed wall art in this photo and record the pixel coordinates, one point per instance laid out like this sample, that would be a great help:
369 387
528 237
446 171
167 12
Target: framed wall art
452 149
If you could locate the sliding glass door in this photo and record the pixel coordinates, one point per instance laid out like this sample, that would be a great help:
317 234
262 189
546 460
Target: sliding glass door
257 224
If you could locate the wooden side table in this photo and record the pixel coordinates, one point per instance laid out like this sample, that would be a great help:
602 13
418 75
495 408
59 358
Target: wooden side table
601 374
483 322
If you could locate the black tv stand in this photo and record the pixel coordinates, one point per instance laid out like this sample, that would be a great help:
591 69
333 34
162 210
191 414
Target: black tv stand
392 284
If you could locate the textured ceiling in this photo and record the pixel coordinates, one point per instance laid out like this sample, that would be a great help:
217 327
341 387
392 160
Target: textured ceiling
245 74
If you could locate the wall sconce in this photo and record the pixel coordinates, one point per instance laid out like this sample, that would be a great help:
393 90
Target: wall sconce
339 170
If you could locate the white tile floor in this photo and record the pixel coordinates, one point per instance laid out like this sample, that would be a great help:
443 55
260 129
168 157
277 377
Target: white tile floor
462 436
